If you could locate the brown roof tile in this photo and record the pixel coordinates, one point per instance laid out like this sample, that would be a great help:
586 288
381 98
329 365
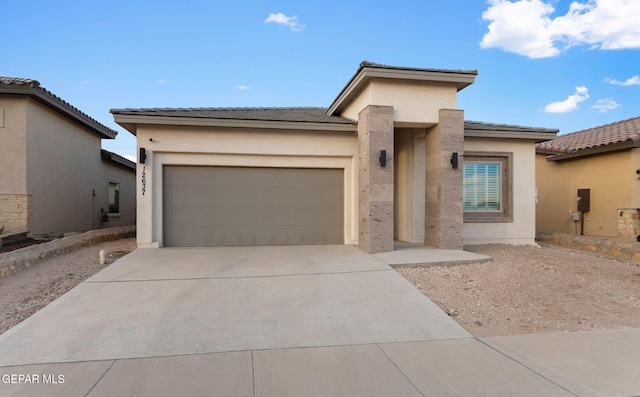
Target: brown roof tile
621 131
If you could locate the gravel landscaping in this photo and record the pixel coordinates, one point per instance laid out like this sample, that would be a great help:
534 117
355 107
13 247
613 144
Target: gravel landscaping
32 288
528 289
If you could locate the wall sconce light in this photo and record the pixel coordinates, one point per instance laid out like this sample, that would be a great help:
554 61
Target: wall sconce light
454 160
383 158
143 155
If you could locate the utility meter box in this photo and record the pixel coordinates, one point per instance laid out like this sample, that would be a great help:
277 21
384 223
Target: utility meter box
575 217
584 200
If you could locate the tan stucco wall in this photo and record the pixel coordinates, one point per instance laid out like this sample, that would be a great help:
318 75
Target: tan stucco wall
238 147
127 181
522 229
14 200
13 166
62 170
414 103
612 178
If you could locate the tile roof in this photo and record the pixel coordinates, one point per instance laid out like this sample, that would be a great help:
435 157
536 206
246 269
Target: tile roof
316 115
382 66
598 137
30 87
19 81
479 125
295 114
116 158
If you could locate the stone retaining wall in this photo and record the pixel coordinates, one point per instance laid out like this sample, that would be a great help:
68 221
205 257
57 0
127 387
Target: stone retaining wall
603 245
14 261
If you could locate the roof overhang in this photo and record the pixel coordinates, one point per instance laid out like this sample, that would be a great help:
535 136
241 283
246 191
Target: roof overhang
368 71
119 160
131 121
593 151
475 129
58 105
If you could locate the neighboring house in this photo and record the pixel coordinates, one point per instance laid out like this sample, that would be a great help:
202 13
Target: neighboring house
54 178
390 159
600 165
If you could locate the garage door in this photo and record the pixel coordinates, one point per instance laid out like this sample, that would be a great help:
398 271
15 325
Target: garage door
214 206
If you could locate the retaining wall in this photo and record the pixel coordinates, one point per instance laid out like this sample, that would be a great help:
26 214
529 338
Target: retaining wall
14 261
603 245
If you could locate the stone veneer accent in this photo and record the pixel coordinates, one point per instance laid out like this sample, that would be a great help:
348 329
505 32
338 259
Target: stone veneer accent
443 195
15 212
375 184
629 224
603 245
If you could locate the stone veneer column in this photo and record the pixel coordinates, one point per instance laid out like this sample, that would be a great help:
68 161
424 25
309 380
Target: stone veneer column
15 213
375 184
443 187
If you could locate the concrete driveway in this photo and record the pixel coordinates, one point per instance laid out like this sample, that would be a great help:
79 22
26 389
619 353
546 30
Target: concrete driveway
257 321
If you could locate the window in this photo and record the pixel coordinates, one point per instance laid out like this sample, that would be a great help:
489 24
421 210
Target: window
114 197
487 187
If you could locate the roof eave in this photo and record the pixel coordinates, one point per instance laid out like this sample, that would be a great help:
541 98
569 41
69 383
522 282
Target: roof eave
106 155
602 149
534 135
461 78
49 100
129 122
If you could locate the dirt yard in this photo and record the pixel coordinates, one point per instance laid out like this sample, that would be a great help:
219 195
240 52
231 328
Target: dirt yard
523 290
33 288
532 290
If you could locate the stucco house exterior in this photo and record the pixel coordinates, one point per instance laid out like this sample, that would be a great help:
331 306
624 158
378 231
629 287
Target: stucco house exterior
390 159
54 177
589 181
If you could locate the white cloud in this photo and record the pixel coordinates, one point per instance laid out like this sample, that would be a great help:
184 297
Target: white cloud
280 18
569 104
526 27
604 105
635 80
242 87
132 158
84 82
161 82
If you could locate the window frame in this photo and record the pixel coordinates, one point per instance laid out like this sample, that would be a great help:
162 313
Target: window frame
505 214
113 214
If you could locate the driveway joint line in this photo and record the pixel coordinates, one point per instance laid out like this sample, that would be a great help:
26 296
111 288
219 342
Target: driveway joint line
525 366
101 377
251 350
237 277
399 370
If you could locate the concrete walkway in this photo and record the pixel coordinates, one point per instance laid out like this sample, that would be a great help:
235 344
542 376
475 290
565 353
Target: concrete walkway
287 321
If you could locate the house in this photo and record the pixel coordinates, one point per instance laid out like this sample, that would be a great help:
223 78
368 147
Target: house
589 181
390 159
54 177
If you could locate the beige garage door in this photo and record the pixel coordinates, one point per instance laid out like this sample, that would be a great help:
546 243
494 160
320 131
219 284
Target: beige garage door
214 206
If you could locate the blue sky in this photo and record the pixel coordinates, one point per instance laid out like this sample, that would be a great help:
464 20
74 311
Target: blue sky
545 63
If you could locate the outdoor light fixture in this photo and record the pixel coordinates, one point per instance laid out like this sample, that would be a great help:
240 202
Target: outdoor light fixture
383 158
143 155
454 160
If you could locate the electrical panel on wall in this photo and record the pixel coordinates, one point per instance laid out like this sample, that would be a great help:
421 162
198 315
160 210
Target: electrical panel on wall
584 200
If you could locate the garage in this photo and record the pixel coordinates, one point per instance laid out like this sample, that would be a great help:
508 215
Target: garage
218 206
